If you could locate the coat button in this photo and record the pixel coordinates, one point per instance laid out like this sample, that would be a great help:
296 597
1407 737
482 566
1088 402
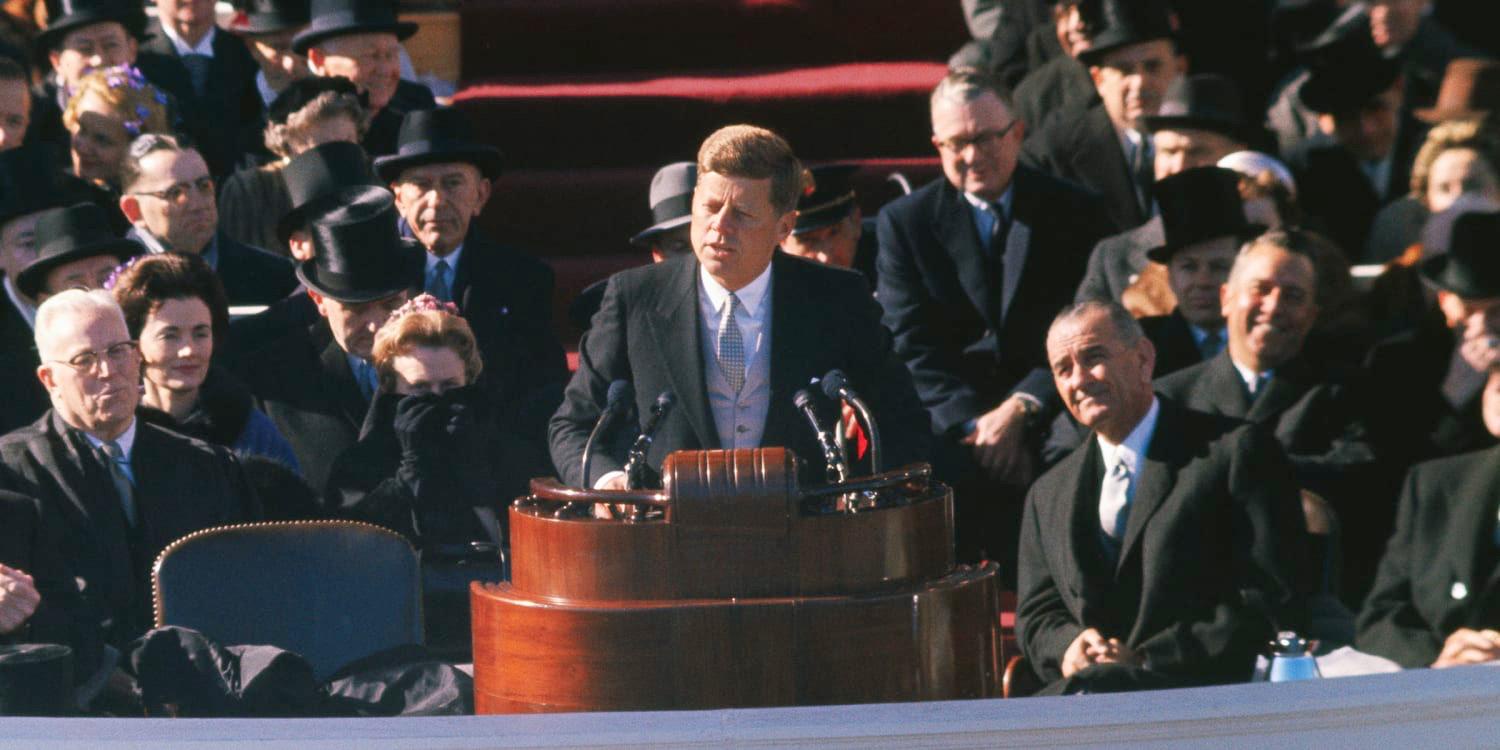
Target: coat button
1459 590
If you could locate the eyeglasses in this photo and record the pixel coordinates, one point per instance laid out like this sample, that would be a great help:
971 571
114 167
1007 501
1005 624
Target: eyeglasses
178 193
118 355
984 140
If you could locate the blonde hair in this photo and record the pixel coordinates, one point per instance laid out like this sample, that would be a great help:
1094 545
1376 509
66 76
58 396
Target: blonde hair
755 153
1449 136
430 328
143 107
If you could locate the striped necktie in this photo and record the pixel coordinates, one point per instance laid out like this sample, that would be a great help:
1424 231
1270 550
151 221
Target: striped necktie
120 474
729 348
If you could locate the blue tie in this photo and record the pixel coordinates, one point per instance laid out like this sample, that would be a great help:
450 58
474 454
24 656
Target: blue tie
437 282
364 375
122 476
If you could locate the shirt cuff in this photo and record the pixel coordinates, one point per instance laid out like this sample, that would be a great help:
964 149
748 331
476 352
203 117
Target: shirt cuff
607 478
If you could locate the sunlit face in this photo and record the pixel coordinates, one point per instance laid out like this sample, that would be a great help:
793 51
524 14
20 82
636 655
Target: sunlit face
372 61
1369 132
1393 23
100 399
1458 171
98 142
427 370
97 45
1105 384
439 201
1133 79
833 245
18 243
1270 305
1195 274
15 113
175 196
273 53
672 243
1180 150
735 228
978 142
87 273
176 344
1073 32
354 323
191 19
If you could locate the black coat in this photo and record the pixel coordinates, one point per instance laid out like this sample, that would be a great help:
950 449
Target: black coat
385 127
1084 147
30 545
1176 349
1441 571
941 294
1117 261
213 120
648 332
25 398
1207 566
253 276
1332 189
181 486
1060 85
1416 420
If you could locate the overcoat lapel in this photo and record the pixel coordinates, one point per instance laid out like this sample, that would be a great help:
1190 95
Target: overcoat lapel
1164 457
340 379
676 338
960 238
794 340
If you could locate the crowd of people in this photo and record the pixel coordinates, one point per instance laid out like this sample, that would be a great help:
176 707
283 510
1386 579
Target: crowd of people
1207 348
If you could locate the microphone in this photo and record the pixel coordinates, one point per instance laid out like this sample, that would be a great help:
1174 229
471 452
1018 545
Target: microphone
836 387
635 465
616 402
833 456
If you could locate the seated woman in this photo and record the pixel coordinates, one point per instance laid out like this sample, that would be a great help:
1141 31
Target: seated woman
175 308
1459 156
110 107
310 112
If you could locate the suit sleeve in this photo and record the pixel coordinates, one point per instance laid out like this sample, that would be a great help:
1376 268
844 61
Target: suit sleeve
1095 284
1221 638
1389 624
1044 626
603 356
905 428
912 317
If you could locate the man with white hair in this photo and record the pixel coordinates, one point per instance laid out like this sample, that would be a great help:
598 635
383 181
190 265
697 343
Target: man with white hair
113 491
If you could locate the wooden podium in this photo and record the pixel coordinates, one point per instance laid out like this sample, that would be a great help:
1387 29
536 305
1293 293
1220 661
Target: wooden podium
737 588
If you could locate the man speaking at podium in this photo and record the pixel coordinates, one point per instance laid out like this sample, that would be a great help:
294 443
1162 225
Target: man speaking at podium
734 331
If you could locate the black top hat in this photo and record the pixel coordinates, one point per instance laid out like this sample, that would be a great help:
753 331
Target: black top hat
36 679
331 18
1201 102
1126 22
31 181
271 16
300 92
1471 267
1198 205
64 235
436 136
1345 68
830 199
320 178
671 200
358 253
64 16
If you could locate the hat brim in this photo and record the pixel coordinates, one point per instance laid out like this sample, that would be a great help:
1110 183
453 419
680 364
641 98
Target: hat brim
397 279
267 24
31 278
1440 272
1326 96
487 158
311 36
1163 253
1237 131
1095 54
52 36
825 218
299 216
644 237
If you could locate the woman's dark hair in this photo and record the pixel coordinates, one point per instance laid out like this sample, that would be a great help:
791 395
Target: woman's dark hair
147 282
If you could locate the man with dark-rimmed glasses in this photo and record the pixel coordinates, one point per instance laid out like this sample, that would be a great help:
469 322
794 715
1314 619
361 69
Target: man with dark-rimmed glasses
169 198
971 269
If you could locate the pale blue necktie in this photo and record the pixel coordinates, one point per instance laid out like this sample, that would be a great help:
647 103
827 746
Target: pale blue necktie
197 68
729 348
123 478
1114 500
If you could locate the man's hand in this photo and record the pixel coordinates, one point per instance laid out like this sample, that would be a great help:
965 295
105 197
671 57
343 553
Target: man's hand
1081 652
18 599
1467 646
1480 346
999 441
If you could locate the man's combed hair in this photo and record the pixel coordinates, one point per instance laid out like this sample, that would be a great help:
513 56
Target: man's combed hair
72 303
1317 249
1126 326
967 84
755 153
142 147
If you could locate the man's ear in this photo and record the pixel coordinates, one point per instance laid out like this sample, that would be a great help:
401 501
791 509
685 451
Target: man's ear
315 60
485 188
1224 300
44 374
52 57
1096 73
785 225
317 301
131 207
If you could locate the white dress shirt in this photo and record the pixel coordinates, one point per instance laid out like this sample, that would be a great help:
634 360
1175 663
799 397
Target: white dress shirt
1129 453
1253 380
126 440
205 45
739 418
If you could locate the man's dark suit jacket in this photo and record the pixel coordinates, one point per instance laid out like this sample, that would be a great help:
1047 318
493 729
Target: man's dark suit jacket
1416 421
253 276
25 398
385 127
1176 349
1441 570
648 332
304 384
1084 148
1060 85
942 293
213 120
1207 566
1332 189
1118 260
182 485
28 545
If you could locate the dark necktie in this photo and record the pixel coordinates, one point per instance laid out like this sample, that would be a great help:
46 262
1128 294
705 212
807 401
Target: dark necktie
119 473
1211 345
437 282
197 68
1143 170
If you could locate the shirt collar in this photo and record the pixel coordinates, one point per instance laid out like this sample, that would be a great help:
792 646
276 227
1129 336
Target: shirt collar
1249 376
1004 201
205 45
22 306
126 439
1135 443
451 258
750 296
1199 334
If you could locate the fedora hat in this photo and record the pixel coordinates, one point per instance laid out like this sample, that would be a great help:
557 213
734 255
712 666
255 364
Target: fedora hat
331 18
1346 69
36 679
271 16
64 16
64 235
1201 102
1126 22
1471 89
30 181
830 198
1471 267
358 253
437 136
671 198
1198 205
321 178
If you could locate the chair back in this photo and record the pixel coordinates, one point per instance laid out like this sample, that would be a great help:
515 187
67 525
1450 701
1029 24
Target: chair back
332 591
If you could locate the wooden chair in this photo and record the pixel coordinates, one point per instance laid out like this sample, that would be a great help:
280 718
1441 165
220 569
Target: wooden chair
332 591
